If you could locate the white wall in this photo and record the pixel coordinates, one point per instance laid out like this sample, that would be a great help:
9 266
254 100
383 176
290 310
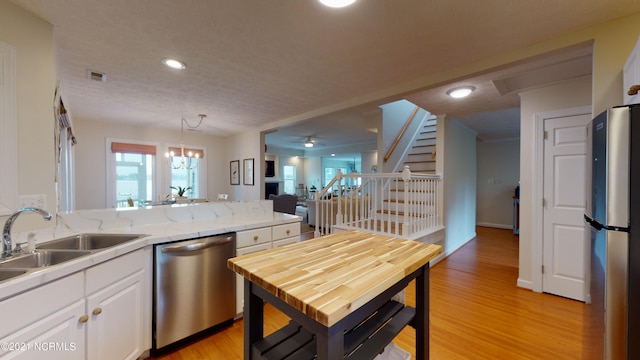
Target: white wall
90 156
561 96
313 172
459 183
32 39
369 159
497 160
394 117
248 145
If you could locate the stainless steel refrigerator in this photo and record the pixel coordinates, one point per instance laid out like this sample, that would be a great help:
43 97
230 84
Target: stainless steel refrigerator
612 317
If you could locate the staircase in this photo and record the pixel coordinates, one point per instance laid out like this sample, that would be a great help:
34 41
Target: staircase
401 204
422 155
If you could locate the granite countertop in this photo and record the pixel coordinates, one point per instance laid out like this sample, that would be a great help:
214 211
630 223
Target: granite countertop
159 224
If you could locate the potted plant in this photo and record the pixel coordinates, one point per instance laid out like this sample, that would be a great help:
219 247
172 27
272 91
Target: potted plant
181 190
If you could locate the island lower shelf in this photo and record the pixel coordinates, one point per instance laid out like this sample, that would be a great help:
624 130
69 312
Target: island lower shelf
364 341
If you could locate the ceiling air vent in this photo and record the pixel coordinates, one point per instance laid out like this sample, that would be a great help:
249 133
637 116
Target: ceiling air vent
97 76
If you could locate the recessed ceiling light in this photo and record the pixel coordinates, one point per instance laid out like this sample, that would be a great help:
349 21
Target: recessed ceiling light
174 64
460 92
337 3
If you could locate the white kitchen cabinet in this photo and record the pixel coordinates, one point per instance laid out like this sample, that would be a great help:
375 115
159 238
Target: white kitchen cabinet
239 279
255 240
631 75
253 237
285 234
102 312
45 322
116 308
60 335
247 242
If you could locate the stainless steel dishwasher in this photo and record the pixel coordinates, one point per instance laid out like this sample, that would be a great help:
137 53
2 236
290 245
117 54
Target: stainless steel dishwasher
193 288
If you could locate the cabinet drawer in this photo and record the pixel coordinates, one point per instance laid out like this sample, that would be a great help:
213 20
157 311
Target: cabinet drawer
251 249
102 275
253 237
285 231
286 241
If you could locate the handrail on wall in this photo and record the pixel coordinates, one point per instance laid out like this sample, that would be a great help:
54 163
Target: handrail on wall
401 134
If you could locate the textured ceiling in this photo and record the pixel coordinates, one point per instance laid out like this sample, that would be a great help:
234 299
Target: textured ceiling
253 62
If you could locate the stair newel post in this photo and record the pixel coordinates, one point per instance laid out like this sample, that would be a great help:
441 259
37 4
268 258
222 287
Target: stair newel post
339 178
406 179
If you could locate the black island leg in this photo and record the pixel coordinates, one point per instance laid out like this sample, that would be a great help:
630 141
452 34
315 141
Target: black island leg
330 344
422 314
253 318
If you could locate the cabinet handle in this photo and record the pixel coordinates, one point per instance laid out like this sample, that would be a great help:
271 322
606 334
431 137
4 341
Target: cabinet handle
255 238
288 231
83 319
97 311
633 90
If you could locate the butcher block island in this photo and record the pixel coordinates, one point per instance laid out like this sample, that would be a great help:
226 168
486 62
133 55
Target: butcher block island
338 290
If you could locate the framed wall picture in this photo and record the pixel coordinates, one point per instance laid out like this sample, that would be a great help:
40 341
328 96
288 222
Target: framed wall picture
248 171
234 172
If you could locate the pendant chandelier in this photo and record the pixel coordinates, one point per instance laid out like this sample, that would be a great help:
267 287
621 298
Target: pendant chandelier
188 160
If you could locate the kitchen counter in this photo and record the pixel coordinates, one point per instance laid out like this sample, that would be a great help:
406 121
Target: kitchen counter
331 284
160 224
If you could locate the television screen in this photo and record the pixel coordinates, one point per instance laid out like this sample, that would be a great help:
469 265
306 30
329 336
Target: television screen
269 168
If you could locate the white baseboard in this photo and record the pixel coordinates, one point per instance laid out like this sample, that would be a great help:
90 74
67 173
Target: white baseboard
526 284
498 226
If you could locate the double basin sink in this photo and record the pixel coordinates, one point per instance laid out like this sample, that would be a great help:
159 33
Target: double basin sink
59 251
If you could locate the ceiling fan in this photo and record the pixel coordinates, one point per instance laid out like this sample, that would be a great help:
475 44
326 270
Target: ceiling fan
309 142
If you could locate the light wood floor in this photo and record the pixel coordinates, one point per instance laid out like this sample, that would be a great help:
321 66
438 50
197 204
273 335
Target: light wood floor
477 312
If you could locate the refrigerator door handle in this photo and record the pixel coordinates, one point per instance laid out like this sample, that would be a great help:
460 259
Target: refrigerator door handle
597 226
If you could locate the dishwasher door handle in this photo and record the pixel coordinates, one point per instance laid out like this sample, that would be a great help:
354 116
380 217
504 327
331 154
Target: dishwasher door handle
197 246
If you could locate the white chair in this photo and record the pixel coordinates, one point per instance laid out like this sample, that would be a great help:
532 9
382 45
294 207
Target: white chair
223 197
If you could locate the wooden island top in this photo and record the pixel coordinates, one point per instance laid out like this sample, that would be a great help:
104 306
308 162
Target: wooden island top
329 277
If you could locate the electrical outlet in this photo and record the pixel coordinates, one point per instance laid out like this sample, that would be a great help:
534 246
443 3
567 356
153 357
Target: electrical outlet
38 201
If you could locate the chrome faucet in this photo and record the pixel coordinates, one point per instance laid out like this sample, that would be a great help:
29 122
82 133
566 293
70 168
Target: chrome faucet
6 233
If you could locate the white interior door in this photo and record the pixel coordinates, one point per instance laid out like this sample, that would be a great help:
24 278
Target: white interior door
565 240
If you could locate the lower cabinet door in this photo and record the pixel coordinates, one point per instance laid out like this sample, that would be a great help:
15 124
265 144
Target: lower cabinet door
60 335
115 326
240 279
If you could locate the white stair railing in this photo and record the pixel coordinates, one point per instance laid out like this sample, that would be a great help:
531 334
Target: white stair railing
399 204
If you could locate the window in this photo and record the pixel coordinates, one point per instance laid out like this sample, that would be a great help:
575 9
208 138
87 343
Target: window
135 175
8 131
329 174
132 170
187 178
190 175
347 164
289 172
65 140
